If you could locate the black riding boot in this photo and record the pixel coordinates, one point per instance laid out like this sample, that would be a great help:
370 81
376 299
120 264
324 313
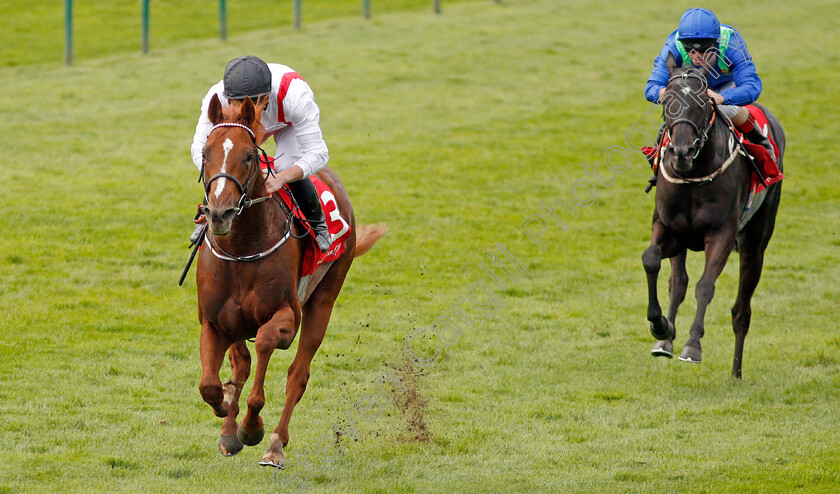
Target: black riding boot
756 137
307 198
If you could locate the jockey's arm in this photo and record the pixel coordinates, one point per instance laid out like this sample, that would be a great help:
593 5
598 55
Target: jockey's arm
304 115
747 83
203 127
659 76
275 182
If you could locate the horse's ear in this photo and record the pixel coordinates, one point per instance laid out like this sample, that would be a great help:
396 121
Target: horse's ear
248 112
214 112
260 103
671 63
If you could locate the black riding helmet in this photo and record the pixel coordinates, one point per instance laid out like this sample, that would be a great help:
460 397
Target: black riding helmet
246 76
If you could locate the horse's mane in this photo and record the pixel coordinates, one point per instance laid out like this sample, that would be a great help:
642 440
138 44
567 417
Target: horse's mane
232 113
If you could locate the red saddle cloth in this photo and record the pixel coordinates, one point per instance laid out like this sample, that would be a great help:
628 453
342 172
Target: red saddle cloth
768 166
337 225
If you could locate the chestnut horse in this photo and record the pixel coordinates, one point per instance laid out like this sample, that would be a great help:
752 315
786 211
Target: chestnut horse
700 210
248 280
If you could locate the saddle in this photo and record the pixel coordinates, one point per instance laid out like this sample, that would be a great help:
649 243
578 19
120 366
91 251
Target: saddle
337 225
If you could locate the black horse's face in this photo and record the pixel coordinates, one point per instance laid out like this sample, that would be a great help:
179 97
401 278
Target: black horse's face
685 108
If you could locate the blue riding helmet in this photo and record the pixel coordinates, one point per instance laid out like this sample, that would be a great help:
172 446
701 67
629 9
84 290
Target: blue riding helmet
698 24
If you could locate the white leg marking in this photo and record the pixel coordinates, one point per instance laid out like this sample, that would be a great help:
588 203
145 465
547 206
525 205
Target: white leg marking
220 185
229 391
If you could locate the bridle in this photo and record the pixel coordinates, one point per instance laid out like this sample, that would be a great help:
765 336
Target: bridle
708 116
245 200
702 137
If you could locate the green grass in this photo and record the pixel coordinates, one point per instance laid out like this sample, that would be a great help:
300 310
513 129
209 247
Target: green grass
34 30
451 129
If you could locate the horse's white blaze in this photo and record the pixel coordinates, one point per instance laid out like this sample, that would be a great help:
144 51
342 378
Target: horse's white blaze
220 185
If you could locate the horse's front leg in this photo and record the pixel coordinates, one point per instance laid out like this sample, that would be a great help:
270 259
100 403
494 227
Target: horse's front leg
661 243
717 249
279 332
212 348
240 366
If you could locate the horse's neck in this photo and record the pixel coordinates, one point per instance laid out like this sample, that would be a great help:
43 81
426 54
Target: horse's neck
715 150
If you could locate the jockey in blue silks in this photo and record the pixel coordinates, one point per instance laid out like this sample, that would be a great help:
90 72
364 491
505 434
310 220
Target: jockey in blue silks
701 40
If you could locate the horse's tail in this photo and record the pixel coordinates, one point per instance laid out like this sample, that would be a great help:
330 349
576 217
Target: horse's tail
367 235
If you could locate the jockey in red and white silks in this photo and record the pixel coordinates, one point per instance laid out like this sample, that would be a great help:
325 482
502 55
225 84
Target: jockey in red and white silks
291 116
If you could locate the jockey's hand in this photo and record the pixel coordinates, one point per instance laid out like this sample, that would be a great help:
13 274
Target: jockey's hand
715 96
275 182
661 92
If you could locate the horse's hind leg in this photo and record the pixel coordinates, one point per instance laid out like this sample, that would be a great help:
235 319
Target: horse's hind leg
718 247
753 241
751 263
316 316
661 328
240 365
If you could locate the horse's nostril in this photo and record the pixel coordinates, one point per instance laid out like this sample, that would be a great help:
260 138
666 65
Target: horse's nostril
690 151
227 215
670 149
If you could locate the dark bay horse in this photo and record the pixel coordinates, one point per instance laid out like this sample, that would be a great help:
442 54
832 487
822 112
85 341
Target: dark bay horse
247 279
702 188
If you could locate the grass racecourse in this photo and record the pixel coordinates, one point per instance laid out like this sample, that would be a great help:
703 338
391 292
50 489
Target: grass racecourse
452 129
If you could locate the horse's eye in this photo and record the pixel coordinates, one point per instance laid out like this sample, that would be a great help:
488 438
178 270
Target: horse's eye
249 158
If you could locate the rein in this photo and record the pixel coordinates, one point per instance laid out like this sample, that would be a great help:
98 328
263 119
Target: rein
221 254
734 151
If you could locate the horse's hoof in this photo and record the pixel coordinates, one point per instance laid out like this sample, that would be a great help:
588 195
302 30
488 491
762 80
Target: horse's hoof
663 348
274 456
229 444
691 354
250 439
666 330
269 462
